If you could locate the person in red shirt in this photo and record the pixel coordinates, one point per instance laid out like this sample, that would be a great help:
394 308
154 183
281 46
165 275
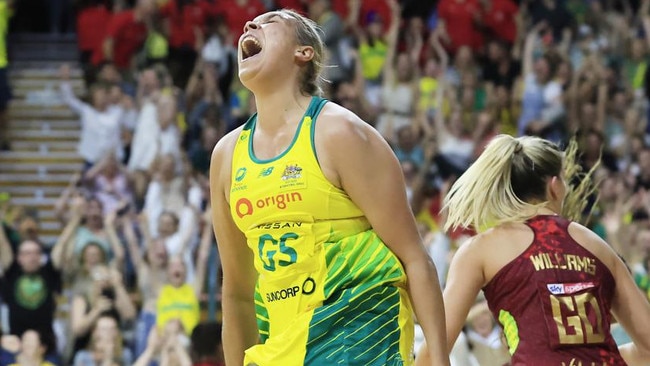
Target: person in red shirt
186 35
460 19
92 22
499 18
554 285
125 35
237 13
297 5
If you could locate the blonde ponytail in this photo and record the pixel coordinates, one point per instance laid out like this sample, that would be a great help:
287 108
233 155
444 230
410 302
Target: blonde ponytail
507 183
580 186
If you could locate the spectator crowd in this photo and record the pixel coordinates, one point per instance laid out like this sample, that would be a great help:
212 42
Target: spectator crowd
133 279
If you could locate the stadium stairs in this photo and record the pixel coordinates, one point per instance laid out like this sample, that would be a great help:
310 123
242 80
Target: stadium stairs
43 131
44 135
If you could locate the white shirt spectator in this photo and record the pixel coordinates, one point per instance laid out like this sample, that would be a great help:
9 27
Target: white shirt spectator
100 131
144 147
149 141
217 52
129 116
169 142
457 150
183 242
164 197
540 102
168 197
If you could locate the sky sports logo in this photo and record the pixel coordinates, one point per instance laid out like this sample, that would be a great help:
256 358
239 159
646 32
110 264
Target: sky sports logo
246 207
569 288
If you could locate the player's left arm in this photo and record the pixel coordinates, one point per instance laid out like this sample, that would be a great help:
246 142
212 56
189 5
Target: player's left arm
629 305
355 157
631 308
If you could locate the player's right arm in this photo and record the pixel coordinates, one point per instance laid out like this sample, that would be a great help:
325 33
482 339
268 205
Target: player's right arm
239 331
464 281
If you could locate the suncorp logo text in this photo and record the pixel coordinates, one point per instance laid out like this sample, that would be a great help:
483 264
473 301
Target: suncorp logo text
245 207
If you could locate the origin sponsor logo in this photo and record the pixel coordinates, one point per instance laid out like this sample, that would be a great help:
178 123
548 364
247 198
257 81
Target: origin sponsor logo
245 207
569 288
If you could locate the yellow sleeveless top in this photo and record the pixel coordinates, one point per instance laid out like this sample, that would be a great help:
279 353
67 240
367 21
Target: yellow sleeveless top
316 255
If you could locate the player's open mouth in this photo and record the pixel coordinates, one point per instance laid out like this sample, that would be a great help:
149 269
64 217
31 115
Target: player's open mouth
250 47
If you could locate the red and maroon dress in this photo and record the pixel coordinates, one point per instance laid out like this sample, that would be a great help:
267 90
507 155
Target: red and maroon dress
553 301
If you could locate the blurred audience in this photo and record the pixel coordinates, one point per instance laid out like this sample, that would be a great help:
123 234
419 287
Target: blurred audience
438 82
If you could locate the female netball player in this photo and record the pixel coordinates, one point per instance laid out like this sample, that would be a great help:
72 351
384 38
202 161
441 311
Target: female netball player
314 230
554 286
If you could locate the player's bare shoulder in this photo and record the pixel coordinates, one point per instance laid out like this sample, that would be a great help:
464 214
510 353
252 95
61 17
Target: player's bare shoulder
593 243
341 140
496 247
480 243
340 124
224 148
221 159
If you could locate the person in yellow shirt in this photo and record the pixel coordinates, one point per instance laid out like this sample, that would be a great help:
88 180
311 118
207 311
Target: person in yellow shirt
374 45
316 237
177 299
6 11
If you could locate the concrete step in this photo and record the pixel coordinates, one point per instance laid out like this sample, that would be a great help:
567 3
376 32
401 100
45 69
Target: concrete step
20 38
42 64
42 113
25 105
44 147
43 73
22 104
44 46
17 157
49 236
33 83
33 202
50 239
33 180
44 132
47 125
27 92
41 168
50 226
47 135
22 192
47 215
50 54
